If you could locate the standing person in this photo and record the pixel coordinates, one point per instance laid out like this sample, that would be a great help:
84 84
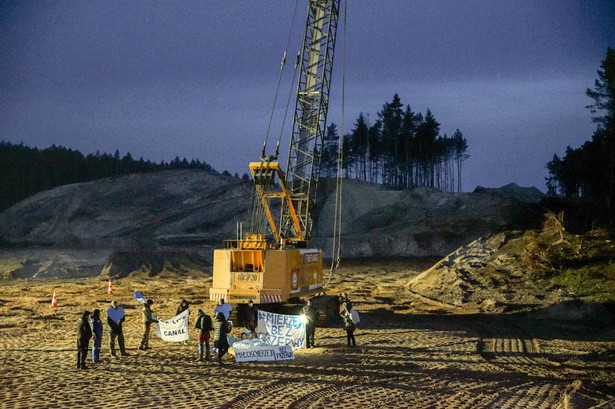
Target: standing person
311 319
224 308
84 333
250 316
221 328
115 318
183 306
204 324
345 301
148 320
349 326
97 332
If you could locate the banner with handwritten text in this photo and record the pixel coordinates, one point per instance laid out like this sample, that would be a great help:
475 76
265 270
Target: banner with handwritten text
282 330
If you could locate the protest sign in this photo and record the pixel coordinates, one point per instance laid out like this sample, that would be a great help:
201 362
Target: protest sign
282 330
263 353
175 329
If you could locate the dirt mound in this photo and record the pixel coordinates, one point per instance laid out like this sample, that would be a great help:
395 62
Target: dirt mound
176 209
524 270
122 264
577 310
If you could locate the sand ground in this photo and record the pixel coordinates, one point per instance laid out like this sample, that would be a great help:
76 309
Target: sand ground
411 353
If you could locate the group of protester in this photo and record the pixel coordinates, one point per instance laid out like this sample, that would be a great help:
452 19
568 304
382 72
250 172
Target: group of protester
90 326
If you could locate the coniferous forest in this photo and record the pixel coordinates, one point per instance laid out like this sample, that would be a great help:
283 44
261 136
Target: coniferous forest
588 172
400 149
25 171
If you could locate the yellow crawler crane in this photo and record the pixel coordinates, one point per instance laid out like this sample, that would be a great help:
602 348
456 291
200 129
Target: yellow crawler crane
273 265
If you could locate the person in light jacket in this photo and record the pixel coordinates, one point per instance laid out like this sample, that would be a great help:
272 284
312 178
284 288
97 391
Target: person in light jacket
221 328
148 320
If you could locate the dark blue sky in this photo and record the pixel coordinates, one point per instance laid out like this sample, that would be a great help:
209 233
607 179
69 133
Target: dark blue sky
197 79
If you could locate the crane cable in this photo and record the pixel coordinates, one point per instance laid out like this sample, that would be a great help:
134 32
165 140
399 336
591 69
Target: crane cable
282 64
337 224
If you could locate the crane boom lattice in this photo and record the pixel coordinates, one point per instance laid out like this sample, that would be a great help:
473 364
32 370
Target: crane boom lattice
312 103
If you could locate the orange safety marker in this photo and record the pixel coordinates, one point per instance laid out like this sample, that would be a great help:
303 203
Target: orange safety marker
110 289
54 299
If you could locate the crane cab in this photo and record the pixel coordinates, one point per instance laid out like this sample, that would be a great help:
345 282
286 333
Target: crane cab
250 269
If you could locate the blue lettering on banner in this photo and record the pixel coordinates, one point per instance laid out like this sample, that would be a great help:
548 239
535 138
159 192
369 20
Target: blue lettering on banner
284 353
282 330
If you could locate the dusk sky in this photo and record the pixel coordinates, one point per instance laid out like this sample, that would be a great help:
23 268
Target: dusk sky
197 79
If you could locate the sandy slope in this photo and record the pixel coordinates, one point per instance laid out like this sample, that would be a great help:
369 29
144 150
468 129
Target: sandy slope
411 353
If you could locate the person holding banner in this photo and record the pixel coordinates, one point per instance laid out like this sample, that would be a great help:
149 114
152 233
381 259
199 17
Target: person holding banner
148 320
221 328
311 319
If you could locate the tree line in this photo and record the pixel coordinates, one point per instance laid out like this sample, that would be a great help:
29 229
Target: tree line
402 149
588 172
25 170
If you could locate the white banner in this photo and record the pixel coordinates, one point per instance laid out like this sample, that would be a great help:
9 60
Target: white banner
263 353
175 329
282 330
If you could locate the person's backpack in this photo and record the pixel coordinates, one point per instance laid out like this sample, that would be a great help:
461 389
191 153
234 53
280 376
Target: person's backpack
207 324
199 322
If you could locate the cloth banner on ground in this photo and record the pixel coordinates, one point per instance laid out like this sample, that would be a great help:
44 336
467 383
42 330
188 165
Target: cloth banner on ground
282 330
257 350
175 329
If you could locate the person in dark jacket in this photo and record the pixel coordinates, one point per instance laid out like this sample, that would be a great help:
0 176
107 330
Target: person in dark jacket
148 320
311 319
84 334
183 306
349 326
221 328
97 332
115 318
250 316
204 325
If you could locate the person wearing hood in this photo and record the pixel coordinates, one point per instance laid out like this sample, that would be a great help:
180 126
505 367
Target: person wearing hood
97 332
84 334
221 328
183 306
204 325
148 320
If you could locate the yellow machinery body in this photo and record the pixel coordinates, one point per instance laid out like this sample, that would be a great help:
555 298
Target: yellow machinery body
249 269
